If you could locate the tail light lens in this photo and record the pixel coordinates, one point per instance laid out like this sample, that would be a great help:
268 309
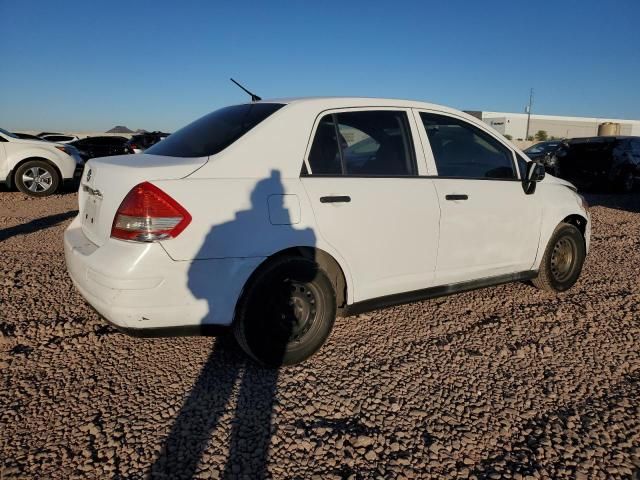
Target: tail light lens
148 214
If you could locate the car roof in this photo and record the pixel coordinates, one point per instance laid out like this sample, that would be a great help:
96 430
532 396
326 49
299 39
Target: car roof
338 102
601 139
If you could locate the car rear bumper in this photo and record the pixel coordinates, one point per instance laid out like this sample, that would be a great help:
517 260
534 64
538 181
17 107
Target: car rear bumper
139 289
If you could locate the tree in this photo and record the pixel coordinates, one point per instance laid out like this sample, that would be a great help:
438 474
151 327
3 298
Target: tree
541 135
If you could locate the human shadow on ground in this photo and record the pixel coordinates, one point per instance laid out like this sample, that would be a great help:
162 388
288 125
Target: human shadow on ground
208 402
36 224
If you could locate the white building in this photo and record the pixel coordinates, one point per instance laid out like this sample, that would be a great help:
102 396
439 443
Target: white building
515 124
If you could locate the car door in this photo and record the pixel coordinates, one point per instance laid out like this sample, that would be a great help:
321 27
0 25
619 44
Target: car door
102 146
489 226
85 146
4 166
635 148
361 175
115 145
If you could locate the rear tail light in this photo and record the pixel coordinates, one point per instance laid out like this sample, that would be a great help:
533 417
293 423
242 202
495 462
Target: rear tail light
148 214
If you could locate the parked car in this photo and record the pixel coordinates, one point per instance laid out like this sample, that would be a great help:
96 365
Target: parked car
59 138
226 225
600 162
26 136
140 142
42 134
35 167
105 146
542 150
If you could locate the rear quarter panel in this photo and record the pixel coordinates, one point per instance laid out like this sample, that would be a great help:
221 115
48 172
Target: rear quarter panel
244 218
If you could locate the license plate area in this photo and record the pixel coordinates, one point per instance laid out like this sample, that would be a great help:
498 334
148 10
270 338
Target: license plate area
91 212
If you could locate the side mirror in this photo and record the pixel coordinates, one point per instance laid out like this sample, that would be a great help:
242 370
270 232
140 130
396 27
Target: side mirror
535 173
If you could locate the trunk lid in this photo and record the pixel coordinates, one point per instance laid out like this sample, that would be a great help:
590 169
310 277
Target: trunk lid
106 181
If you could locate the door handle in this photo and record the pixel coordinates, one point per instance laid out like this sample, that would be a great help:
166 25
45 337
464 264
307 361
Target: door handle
456 196
335 199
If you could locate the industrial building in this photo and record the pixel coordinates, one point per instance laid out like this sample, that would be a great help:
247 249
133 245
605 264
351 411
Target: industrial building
515 125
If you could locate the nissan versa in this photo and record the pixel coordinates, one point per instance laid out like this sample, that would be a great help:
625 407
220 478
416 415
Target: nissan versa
273 217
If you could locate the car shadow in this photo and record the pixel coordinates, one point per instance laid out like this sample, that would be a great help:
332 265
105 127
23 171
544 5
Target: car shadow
35 225
629 202
228 374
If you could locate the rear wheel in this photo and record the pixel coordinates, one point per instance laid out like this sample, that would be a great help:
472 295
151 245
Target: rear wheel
563 259
37 178
286 313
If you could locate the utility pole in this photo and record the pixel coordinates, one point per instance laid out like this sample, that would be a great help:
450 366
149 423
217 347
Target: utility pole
528 109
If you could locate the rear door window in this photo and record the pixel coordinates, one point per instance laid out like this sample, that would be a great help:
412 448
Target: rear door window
214 132
462 150
364 143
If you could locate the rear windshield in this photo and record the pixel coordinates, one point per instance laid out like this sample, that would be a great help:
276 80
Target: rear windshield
214 132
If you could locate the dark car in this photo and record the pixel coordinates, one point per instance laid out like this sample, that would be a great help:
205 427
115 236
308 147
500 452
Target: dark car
539 150
600 162
140 142
92 147
42 134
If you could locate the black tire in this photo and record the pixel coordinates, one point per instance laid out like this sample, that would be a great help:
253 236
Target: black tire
286 312
563 259
37 178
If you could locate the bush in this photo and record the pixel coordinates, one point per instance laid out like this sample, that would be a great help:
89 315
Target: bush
541 135
508 137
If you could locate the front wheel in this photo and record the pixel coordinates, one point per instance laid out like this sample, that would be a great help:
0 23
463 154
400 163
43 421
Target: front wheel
286 313
37 178
563 259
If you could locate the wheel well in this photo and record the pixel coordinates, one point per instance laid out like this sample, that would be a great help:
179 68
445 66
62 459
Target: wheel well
577 221
323 259
12 175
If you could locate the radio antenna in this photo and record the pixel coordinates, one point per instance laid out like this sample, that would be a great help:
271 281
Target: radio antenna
254 97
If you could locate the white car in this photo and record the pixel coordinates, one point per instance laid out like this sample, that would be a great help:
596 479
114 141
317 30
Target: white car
35 167
273 217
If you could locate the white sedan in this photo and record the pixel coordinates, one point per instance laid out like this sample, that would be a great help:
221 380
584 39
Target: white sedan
271 218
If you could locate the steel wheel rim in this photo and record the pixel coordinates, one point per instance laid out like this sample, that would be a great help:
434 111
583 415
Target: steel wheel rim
563 259
295 310
37 179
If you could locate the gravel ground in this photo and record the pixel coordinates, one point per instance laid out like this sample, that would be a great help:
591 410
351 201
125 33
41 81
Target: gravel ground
506 382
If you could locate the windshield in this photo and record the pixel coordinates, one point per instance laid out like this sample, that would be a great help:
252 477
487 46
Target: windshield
542 147
8 134
214 132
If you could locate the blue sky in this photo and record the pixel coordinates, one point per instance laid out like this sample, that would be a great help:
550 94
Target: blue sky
90 65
